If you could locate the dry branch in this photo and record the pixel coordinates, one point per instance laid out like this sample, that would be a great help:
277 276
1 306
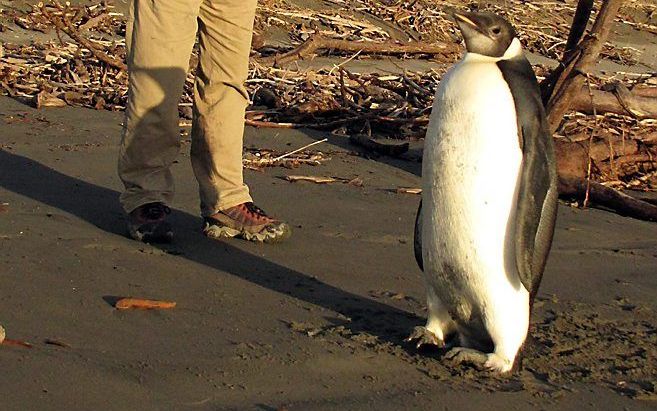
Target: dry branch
580 21
65 25
318 42
271 124
16 343
312 179
331 125
568 78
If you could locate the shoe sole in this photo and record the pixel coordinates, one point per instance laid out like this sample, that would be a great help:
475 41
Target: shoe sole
216 232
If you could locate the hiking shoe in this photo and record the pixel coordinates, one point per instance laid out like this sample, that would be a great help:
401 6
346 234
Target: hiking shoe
147 223
248 222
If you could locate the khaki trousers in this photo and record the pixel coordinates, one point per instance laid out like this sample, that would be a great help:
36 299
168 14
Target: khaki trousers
160 36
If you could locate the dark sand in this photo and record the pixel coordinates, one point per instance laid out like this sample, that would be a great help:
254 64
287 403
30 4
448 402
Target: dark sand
316 323
313 324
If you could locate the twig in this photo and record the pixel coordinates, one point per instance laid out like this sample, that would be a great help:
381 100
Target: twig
297 150
356 54
271 124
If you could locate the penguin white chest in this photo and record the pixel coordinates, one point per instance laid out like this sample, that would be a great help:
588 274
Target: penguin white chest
472 160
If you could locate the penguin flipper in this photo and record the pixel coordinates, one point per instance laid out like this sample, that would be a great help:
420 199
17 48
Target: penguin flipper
536 204
537 192
417 241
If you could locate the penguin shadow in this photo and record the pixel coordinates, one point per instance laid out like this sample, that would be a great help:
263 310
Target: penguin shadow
99 206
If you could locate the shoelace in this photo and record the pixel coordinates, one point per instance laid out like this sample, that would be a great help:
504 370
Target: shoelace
156 211
254 209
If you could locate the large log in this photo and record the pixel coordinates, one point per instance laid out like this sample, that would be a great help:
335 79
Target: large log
621 203
317 42
619 101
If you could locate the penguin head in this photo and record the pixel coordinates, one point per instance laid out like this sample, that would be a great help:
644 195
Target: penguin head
485 33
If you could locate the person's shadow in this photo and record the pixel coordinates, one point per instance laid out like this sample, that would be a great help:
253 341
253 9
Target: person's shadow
99 206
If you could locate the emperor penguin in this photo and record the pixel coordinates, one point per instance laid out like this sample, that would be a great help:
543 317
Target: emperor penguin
486 219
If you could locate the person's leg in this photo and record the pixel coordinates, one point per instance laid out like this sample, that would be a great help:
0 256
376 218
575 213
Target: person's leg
159 39
220 100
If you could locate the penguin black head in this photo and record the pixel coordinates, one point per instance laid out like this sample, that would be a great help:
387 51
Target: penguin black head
485 33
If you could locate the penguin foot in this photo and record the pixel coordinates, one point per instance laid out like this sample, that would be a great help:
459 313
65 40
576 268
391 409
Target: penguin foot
488 362
498 364
425 337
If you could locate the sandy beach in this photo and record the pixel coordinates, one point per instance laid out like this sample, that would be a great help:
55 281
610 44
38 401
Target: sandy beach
315 323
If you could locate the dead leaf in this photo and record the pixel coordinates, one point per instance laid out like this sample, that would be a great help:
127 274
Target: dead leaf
141 304
313 179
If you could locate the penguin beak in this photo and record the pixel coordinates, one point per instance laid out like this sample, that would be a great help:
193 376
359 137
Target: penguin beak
465 19
469 20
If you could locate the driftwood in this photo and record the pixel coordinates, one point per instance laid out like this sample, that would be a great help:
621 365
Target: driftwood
63 24
580 21
613 148
317 42
566 89
618 101
609 156
567 80
607 197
